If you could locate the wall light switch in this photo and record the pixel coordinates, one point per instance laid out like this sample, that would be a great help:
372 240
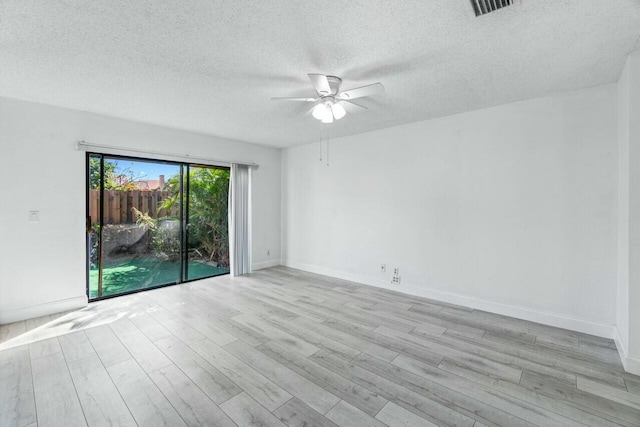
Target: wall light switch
34 216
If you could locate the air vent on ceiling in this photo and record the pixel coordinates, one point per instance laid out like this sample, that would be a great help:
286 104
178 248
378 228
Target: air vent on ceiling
482 7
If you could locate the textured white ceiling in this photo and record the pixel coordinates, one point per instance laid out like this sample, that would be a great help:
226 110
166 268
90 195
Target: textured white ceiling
211 66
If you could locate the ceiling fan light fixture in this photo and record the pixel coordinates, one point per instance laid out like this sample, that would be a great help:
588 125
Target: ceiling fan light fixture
320 111
338 111
328 118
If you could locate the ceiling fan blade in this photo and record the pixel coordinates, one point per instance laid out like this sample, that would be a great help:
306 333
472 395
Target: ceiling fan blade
321 83
293 99
359 92
353 106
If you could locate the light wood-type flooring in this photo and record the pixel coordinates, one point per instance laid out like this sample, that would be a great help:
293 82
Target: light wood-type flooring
284 347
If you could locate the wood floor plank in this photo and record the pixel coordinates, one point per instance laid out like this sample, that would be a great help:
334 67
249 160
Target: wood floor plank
195 408
287 340
396 416
17 403
44 347
485 365
206 327
329 313
346 415
244 303
75 346
431 318
349 340
633 385
447 394
510 355
263 295
147 404
56 398
177 327
609 392
426 405
260 388
140 347
307 391
393 343
107 345
295 413
495 399
355 394
373 317
9 331
579 399
586 416
572 345
245 411
150 327
309 334
213 382
100 400
37 322
464 318
238 331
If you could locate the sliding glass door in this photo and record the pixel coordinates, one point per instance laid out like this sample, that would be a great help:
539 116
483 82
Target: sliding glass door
153 223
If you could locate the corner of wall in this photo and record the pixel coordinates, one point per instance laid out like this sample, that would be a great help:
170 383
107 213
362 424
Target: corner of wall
265 264
631 363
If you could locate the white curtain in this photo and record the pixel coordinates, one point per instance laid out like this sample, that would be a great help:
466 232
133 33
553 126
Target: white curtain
240 219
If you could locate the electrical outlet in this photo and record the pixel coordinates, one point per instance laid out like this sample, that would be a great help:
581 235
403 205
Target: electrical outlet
396 271
383 268
268 252
395 280
34 216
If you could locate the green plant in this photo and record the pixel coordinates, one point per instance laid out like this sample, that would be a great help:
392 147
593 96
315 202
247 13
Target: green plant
165 243
208 231
144 220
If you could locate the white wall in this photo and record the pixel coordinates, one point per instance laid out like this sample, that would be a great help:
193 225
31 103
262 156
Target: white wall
628 291
510 209
42 265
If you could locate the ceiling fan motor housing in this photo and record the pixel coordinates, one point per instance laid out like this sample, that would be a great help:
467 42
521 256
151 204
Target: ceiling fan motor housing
334 84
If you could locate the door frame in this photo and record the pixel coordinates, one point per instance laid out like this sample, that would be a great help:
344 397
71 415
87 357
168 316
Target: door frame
184 217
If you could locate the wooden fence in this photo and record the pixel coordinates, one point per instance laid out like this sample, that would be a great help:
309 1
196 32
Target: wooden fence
118 204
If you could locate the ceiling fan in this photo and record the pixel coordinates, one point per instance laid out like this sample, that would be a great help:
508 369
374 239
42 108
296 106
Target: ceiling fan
330 101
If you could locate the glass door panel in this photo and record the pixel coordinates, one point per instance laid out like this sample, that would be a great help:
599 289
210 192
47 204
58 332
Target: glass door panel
207 237
141 231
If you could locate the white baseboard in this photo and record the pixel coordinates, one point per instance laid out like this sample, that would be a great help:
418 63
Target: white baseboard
622 349
265 264
519 312
631 363
9 316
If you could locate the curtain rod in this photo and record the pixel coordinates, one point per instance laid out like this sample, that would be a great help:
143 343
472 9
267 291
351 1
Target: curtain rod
87 146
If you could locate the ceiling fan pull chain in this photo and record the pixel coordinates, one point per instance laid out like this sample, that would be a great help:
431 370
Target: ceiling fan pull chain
327 152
